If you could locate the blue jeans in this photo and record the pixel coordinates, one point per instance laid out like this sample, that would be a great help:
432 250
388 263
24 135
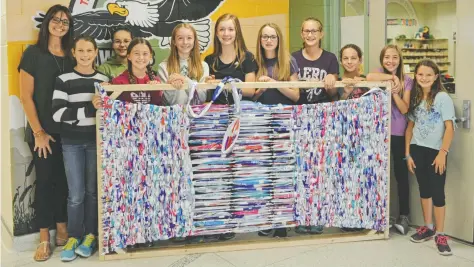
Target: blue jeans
80 162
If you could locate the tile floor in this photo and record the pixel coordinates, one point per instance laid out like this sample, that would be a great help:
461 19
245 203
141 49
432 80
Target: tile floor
398 251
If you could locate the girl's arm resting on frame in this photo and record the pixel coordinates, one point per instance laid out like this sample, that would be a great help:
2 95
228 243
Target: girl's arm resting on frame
291 93
26 98
249 92
377 76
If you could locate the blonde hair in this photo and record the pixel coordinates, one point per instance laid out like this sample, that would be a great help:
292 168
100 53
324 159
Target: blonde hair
315 20
194 61
400 72
281 71
239 43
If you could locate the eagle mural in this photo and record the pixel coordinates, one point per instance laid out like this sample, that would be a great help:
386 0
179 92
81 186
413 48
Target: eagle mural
148 19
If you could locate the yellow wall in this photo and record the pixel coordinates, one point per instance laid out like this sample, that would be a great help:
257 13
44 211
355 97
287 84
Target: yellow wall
21 32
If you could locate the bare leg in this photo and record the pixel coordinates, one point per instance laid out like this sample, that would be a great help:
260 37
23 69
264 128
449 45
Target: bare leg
439 213
61 234
43 251
427 206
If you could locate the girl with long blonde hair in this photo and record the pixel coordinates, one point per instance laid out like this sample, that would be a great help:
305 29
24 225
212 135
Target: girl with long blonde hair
275 64
391 61
183 65
230 57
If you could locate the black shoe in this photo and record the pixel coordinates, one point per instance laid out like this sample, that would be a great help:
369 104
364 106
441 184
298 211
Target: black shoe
265 232
280 232
227 236
442 244
422 234
351 230
402 225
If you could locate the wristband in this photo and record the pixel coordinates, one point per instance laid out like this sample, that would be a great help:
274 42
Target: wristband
407 157
38 133
444 150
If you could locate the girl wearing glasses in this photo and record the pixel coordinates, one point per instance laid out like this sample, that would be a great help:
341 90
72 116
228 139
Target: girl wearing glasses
117 64
39 66
275 64
316 64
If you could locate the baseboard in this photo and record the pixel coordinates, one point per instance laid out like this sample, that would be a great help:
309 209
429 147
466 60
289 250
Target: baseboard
7 237
24 242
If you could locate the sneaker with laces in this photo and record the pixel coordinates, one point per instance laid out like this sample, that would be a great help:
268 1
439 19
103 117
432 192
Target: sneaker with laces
87 247
422 234
69 250
442 244
402 224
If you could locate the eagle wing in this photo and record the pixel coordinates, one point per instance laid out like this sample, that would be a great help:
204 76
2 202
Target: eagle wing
186 10
99 24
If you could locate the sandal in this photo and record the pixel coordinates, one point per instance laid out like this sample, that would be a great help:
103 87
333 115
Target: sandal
46 246
60 242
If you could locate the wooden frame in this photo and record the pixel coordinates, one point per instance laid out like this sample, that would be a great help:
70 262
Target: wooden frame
243 244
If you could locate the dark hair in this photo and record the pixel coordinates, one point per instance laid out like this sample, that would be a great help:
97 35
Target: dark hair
43 36
86 38
353 46
417 96
151 74
121 28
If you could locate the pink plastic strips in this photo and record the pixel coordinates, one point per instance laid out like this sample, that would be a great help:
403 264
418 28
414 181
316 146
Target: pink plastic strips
147 191
342 160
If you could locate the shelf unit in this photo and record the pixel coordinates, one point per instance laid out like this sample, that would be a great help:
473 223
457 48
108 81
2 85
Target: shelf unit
415 50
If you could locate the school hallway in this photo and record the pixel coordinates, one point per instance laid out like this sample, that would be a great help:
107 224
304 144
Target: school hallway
397 251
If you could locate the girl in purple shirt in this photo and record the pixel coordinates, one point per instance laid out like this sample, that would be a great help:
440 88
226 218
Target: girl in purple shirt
392 70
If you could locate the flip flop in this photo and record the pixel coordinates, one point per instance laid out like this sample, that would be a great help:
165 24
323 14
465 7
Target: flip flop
45 244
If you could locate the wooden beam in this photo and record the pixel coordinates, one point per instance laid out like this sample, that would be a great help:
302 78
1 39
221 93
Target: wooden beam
208 86
304 240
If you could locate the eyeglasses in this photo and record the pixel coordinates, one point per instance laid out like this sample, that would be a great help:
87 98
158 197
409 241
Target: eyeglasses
57 20
313 32
271 37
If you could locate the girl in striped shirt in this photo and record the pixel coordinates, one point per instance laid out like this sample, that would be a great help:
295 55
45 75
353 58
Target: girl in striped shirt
73 107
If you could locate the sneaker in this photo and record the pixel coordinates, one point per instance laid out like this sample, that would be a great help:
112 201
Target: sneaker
442 244
87 247
316 229
301 229
280 232
422 234
265 232
391 221
402 225
68 253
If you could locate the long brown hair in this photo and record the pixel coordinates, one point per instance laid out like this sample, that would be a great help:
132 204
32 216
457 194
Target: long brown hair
400 72
194 61
281 71
239 43
320 27
151 74
437 86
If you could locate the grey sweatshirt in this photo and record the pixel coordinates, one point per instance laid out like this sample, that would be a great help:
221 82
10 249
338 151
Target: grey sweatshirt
173 97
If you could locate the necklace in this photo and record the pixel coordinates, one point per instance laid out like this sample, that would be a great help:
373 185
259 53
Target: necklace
57 64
